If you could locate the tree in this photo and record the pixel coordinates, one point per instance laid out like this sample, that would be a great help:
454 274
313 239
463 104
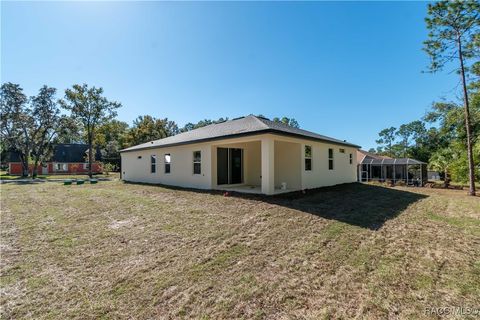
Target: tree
387 138
111 137
202 123
442 161
15 122
113 130
454 33
415 131
288 121
459 168
90 108
451 135
147 128
449 117
71 131
430 143
171 127
44 125
188 127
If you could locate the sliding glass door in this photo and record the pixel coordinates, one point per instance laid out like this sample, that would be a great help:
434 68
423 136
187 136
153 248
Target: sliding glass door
229 166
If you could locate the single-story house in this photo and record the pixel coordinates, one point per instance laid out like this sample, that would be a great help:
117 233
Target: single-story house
66 159
248 154
373 167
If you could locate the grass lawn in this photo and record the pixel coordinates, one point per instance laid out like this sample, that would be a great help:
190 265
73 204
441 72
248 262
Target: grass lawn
116 250
465 185
112 175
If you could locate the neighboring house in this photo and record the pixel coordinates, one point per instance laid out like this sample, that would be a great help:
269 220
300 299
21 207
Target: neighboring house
248 154
373 167
66 159
434 175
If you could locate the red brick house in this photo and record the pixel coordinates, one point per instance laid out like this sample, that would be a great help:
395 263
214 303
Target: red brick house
66 159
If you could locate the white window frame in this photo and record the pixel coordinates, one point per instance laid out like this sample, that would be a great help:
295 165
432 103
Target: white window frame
308 157
331 159
61 167
167 163
199 161
153 164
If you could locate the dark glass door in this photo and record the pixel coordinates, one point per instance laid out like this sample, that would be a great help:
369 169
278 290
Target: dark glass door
229 166
235 166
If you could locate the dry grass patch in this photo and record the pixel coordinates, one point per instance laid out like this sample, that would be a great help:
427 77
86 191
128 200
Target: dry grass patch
116 250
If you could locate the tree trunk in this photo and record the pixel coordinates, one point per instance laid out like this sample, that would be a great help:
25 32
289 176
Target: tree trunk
24 161
90 152
446 179
468 128
34 170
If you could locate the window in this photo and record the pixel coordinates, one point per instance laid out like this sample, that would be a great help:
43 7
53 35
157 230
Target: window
341 150
330 159
197 162
351 158
61 167
153 163
308 158
167 162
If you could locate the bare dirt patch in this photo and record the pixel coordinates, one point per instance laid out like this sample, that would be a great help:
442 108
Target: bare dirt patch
117 224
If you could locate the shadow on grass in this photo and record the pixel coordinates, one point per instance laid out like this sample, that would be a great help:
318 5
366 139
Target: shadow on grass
358 204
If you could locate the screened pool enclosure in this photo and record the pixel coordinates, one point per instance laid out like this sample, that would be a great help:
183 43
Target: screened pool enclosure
410 171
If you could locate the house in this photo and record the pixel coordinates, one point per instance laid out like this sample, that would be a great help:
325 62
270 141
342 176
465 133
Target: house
248 154
433 175
65 159
373 167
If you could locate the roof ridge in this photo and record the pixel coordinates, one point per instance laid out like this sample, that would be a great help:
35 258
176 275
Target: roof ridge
189 131
260 120
248 125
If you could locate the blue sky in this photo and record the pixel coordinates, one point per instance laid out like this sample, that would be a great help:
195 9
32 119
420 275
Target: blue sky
341 69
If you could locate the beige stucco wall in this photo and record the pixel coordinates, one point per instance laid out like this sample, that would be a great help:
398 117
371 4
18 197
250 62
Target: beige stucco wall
138 170
181 167
254 163
320 176
288 163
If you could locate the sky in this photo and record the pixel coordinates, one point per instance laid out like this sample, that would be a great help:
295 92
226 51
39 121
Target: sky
341 69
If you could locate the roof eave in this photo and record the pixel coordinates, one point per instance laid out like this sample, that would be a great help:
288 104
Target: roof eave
243 134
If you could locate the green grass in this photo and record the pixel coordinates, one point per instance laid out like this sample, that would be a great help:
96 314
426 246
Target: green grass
116 250
465 184
112 175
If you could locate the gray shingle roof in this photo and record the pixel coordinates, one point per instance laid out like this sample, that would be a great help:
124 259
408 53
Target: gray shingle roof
72 152
244 126
63 152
